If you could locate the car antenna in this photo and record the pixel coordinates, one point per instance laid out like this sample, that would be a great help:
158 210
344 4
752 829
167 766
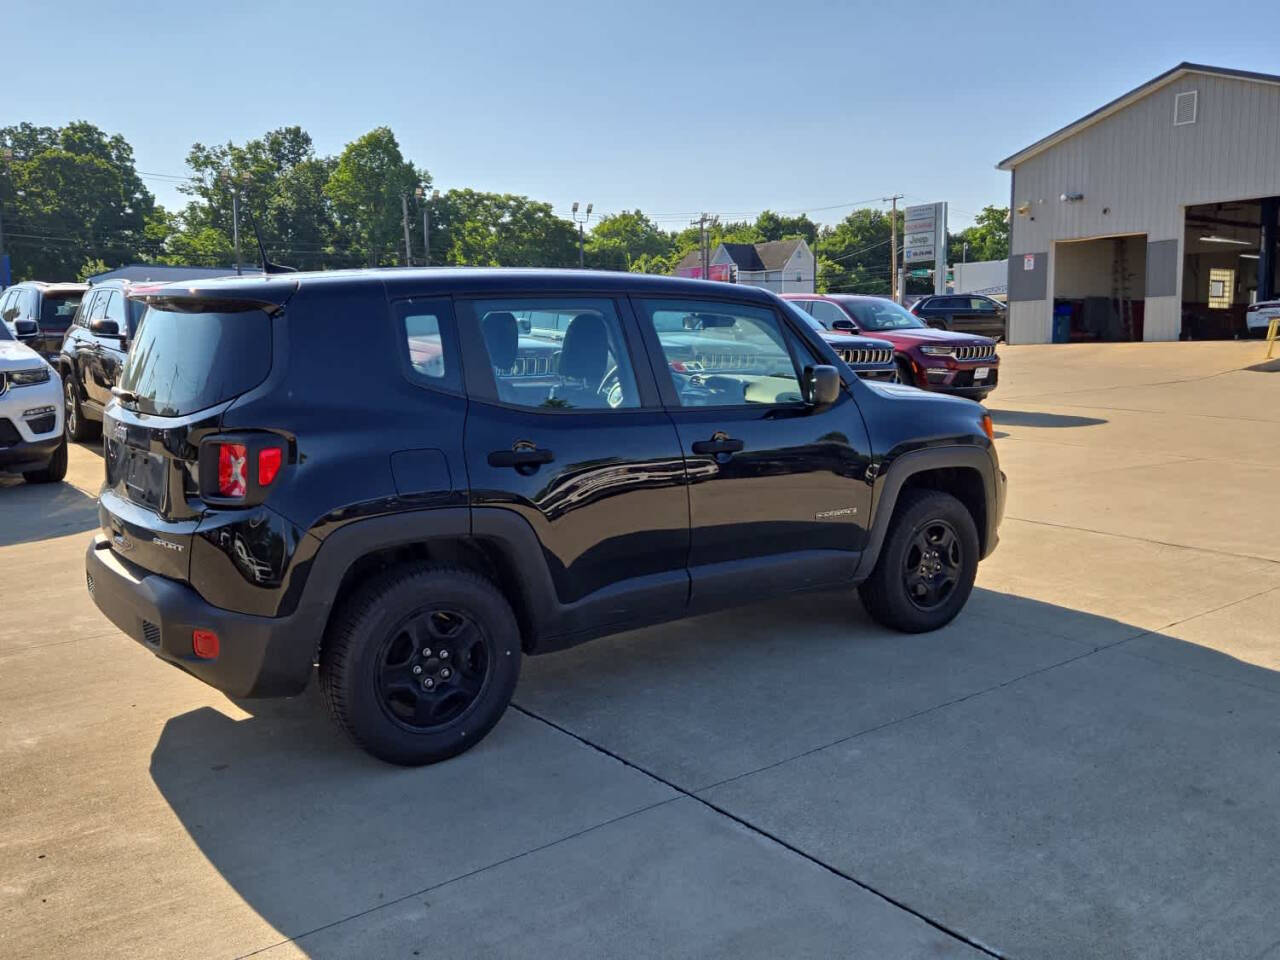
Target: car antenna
267 265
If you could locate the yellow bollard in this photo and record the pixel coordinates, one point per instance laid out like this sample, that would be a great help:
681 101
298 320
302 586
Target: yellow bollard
1273 328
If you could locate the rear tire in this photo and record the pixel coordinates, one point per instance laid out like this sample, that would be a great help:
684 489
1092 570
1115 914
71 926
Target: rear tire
420 663
55 471
927 564
77 427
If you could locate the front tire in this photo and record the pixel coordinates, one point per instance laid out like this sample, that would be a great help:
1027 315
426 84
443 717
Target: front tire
77 427
927 565
55 471
420 663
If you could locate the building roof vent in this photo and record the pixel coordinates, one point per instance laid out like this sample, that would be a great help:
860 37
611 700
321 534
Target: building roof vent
1184 108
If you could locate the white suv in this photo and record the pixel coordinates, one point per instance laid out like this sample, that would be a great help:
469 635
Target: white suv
31 438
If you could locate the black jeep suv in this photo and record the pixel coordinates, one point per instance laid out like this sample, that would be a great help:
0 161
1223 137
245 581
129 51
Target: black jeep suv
503 462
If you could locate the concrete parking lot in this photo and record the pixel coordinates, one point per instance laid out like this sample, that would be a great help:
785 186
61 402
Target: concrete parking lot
1086 763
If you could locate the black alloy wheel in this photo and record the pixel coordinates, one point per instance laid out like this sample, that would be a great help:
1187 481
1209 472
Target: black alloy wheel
433 668
933 564
419 662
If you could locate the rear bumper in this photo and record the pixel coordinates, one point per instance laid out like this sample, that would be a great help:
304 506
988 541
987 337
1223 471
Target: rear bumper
258 656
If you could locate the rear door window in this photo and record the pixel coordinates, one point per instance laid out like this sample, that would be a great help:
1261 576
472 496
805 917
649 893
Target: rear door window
184 360
562 354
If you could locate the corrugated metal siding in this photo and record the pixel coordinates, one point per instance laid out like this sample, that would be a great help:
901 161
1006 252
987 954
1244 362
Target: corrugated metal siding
1137 163
1146 170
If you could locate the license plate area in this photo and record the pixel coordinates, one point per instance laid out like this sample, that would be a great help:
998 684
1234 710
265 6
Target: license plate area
981 373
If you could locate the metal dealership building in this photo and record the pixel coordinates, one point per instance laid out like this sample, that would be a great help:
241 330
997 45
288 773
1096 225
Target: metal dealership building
1153 218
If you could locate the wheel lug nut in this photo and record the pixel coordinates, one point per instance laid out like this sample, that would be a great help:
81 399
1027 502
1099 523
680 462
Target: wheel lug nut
444 654
417 669
428 683
445 673
426 652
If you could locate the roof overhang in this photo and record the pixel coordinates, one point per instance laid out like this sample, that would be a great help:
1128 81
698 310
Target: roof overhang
1118 104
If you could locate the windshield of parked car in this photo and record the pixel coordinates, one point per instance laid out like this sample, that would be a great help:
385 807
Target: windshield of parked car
58 308
882 315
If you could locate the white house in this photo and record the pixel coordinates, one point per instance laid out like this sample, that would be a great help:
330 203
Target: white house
783 266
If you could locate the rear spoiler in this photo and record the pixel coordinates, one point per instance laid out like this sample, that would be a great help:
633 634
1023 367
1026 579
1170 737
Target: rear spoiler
222 296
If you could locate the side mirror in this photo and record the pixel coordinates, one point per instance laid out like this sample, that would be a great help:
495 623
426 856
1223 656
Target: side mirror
822 384
844 326
104 328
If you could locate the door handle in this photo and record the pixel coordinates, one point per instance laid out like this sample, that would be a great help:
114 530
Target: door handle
717 445
520 458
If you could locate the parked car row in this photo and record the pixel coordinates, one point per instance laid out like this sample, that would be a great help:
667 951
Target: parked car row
945 361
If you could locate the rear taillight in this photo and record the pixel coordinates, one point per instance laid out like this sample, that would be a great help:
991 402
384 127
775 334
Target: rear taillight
236 469
269 460
232 458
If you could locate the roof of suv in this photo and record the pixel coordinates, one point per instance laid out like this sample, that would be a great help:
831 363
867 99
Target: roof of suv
46 286
277 288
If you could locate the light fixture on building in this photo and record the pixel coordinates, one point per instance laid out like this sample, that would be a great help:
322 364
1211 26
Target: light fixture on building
1239 243
1024 208
1071 197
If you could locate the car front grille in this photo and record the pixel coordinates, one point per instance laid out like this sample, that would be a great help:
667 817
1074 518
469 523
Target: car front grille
540 365
980 352
863 357
8 433
738 362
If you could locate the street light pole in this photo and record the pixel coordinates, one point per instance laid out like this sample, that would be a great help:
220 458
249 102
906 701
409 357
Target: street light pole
421 194
587 216
235 224
5 273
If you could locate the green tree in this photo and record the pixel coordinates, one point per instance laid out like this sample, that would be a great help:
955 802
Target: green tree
366 186
501 230
773 226
987 239
618 240
69 194
854 255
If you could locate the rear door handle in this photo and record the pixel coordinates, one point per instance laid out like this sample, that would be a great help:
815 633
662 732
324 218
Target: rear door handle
717 445
520 458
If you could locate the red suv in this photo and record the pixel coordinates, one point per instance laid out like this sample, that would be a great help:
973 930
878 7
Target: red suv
939 360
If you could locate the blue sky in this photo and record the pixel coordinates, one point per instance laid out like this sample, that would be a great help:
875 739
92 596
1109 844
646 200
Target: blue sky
671 107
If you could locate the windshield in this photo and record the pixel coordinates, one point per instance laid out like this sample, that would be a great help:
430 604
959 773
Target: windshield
882 315
58 308
183 362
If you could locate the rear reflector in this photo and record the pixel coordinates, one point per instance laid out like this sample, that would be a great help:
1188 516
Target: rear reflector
204 644
269 460
231 467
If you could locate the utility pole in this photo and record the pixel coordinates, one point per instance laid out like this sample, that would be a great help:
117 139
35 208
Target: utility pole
228 179
703 223
4 257
420 192
404 222
580 221
235 224
893 248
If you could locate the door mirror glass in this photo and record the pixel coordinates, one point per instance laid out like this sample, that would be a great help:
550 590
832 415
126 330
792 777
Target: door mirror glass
104 328
845 326
823 384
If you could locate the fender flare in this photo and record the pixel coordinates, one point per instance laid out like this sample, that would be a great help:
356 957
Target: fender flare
891 481
505 531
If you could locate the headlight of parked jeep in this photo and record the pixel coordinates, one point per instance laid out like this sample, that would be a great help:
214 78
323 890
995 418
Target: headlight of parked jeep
936 351
29 376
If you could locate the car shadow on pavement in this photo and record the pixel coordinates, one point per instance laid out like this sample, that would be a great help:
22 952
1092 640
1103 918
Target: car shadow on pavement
1017 775
42 511
1028 418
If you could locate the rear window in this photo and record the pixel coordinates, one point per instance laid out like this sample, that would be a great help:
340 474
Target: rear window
181 362
58 309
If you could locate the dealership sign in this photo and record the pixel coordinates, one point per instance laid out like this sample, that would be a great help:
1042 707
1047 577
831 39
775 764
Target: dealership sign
925 238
